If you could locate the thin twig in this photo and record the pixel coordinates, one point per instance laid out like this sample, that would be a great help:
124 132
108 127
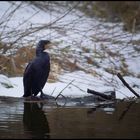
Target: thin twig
44 26
53 91
63 90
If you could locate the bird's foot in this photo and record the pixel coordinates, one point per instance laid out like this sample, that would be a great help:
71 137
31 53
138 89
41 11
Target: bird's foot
32 98
35 98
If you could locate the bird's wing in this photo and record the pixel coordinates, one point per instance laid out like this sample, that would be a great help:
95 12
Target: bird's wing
27 80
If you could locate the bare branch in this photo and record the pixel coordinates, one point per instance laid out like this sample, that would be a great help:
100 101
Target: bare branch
127 85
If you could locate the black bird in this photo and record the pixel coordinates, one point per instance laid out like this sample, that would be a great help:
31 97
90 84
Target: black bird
37 71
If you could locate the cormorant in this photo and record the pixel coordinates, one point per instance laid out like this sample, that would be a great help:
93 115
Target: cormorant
37 71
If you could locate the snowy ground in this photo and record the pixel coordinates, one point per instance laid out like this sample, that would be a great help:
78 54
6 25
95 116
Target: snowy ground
81 81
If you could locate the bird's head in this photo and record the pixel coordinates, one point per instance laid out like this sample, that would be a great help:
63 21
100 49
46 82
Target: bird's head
43 45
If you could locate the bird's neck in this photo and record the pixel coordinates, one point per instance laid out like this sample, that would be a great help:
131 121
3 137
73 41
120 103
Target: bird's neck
45 51
40 51
38 54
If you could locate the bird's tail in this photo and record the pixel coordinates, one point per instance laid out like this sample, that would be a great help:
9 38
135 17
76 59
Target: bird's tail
27 93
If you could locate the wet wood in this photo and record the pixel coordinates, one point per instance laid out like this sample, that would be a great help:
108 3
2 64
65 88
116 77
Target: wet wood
111 95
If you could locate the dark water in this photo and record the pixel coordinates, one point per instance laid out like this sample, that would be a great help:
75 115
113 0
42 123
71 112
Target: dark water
19 119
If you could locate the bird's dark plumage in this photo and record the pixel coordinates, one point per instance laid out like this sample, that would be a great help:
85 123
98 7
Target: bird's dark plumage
37 71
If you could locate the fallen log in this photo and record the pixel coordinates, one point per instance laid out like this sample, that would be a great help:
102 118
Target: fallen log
127 85
108 96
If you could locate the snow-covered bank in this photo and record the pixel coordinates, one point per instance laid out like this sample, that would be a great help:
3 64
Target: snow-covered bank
81 81
94 46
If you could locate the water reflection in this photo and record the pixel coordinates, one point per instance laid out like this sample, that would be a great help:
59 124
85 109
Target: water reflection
35 121
22 120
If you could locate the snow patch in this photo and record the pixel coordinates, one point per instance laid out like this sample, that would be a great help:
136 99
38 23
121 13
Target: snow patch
78 88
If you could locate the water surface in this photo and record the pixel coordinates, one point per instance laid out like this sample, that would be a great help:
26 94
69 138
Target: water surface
19 119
